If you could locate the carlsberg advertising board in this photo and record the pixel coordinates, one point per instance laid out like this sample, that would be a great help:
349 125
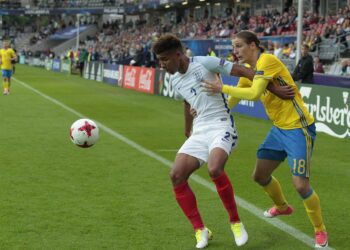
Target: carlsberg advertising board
330 108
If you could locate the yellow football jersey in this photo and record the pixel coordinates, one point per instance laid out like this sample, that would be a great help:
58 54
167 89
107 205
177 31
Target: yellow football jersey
285 114
6 56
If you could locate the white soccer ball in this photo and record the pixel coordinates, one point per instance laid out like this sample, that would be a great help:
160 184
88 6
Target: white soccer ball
84 133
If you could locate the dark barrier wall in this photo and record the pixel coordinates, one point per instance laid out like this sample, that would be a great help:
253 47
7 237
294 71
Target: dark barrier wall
332 80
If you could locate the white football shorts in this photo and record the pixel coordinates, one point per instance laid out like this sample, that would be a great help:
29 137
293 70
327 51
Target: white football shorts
203 140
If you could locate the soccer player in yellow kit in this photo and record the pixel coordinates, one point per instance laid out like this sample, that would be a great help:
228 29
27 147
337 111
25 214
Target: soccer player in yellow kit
292 135
7 56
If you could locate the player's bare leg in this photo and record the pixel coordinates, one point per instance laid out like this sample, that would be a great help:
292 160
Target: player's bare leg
263 170
263 176
216 164
183 167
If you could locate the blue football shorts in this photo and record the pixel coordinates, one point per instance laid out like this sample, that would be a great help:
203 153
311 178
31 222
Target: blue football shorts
6 73
296 144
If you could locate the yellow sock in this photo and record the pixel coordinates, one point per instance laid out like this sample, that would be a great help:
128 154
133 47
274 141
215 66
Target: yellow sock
274 190
313 209
5 84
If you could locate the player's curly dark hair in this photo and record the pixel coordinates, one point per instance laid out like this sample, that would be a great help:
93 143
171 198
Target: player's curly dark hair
167 42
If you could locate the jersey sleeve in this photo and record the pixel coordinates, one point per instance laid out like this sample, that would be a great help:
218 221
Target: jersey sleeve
215 64
267 67
242 83
252 93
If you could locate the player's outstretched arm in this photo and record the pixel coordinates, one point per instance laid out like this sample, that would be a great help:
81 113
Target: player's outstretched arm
232 102
253 93
188 119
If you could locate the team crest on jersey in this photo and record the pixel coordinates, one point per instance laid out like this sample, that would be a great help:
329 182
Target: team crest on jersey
260 72
198 76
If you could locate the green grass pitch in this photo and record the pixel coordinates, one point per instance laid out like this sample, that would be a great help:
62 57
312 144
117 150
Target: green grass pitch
55 195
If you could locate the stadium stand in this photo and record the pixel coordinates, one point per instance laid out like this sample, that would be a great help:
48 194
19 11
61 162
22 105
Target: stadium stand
327 36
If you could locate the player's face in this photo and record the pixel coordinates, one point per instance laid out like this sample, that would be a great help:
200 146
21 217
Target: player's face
304 51
169 61
5 44
242 50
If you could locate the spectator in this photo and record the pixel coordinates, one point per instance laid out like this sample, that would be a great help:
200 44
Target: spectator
211 52
95 55
278 50
286 50
341 36
83 55
151 59
270 47
292 54
51 54
305 68
139 56
316 42
345 67
318 66
189 52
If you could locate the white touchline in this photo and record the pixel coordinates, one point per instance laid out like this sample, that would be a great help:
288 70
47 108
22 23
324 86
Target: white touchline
167 150
241 202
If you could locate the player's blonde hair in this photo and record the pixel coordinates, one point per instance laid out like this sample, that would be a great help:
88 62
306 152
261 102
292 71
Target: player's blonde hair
6 43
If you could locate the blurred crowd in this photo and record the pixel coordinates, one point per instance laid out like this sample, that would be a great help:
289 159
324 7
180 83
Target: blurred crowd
118 42
131 42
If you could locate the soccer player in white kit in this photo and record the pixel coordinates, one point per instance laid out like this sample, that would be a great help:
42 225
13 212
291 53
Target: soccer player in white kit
211 134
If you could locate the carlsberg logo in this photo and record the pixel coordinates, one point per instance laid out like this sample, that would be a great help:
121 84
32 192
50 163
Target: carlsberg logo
330 108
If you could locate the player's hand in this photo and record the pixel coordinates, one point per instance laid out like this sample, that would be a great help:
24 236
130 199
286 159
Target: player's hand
284 92
193 112
214 86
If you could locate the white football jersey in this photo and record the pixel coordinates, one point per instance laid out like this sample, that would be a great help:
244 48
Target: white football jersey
188 86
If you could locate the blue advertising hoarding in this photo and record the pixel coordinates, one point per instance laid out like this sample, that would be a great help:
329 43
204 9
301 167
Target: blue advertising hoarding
199 47
111 73
56 65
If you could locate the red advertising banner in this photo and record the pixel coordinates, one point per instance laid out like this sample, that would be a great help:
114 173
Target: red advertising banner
131 77
146 81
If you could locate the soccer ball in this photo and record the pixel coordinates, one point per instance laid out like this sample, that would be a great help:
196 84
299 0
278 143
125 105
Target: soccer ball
84 133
